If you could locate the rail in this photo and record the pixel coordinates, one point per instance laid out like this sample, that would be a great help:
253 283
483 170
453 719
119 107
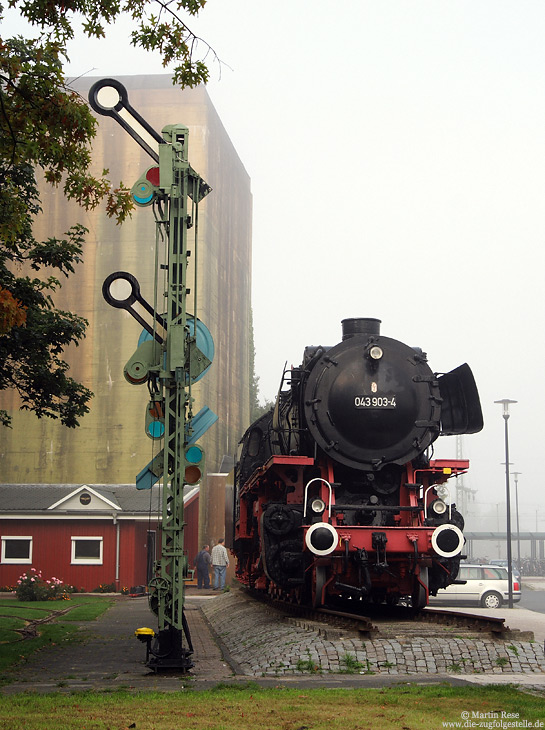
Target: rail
378 619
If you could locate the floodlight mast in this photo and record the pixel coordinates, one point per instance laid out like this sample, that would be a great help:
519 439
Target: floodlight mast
169 363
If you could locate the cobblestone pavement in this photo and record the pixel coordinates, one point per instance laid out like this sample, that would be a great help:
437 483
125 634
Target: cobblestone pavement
261 642
237 639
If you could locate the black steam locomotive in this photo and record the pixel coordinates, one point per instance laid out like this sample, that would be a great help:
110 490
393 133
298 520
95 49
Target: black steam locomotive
336 491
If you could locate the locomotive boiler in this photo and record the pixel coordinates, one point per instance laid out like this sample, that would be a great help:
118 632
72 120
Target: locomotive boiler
337 493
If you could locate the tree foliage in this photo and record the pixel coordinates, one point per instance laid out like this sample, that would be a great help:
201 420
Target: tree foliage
47 129
159 25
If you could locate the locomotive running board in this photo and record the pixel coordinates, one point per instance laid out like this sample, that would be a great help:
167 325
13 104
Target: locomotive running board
279 461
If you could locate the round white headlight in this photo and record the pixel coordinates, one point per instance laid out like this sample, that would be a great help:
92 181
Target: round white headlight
317 505
439 507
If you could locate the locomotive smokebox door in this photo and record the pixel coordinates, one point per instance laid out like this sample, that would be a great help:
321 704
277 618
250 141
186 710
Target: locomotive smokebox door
372 401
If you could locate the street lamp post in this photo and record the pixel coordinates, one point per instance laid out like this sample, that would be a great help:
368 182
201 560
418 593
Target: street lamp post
505 402
516 474
498 528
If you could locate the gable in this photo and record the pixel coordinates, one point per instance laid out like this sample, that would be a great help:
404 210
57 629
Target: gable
62 499
86 498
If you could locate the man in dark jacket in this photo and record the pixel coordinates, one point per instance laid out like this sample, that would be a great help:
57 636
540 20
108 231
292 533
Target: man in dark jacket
202 564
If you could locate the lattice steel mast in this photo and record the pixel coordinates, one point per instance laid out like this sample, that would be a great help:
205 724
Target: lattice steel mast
175 350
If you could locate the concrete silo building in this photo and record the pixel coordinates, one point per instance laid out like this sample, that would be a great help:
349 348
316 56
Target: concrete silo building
110 446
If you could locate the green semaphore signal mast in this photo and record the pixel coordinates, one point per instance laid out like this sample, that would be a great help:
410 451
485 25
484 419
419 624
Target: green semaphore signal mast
174 351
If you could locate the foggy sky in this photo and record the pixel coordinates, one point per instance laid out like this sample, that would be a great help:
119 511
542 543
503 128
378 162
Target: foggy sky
396 152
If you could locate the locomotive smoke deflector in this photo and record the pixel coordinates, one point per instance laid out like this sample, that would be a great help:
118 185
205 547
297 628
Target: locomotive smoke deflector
461 406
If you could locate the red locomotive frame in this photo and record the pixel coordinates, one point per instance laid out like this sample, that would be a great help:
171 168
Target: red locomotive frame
398 556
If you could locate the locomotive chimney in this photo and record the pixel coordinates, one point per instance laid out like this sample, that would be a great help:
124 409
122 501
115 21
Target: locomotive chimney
360 326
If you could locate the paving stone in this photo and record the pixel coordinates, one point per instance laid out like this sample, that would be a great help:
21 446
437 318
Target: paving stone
233 615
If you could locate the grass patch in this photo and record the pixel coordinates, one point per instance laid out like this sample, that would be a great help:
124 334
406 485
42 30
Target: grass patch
236 687
353 666
88 608
82 608
307 665
18 650
8 628
61 630
247 708
20 608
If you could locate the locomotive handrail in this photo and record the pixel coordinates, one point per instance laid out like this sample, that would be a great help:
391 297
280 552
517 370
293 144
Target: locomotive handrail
317 479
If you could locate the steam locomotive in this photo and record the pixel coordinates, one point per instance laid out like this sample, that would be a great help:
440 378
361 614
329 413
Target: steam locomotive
337 494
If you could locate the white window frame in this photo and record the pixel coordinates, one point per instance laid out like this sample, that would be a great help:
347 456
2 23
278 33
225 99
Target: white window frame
17 561
86 561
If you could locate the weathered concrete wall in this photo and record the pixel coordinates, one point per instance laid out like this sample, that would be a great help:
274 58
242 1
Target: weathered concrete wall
110 446
213 506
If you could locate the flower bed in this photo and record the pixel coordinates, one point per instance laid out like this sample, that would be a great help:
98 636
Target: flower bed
32 586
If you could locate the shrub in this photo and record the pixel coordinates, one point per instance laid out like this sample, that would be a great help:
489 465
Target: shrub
31 586
105 588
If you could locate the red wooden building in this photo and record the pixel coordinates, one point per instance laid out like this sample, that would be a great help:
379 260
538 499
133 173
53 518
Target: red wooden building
86 535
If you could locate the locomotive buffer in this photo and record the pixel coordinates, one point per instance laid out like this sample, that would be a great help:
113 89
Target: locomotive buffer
174 351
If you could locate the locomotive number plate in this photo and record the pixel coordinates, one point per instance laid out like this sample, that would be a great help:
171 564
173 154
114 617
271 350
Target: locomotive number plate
384 402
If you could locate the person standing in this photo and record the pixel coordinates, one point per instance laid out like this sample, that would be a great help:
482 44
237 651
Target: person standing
220 561
202 564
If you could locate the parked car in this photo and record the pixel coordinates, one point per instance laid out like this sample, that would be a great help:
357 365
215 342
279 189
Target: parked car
485 585
514 570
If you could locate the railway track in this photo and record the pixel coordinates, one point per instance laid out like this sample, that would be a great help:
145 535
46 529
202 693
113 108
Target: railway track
398 621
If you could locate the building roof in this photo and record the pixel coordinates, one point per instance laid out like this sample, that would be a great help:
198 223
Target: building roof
62 498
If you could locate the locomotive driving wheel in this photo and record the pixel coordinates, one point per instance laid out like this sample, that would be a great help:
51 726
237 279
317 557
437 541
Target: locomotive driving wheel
319 576
419 597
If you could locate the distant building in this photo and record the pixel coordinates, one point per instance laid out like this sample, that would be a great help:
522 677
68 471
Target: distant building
110 446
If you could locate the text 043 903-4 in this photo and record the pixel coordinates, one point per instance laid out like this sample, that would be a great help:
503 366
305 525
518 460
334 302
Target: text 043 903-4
375 401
